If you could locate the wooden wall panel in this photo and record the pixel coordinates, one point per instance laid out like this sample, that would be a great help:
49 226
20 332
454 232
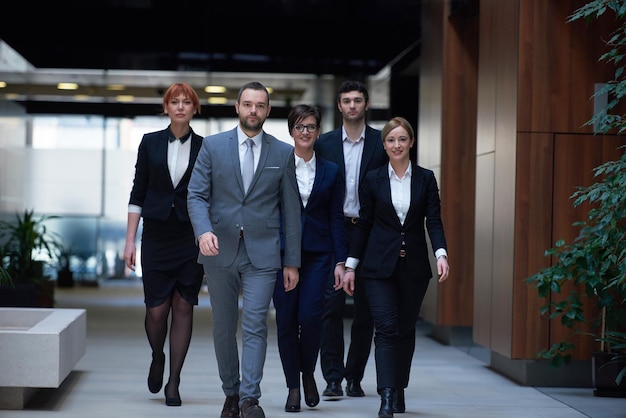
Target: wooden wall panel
559 66
533 235
458 185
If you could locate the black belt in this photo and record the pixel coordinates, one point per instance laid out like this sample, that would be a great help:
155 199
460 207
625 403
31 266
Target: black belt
351 219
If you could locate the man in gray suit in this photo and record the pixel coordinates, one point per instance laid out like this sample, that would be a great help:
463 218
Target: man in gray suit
237 227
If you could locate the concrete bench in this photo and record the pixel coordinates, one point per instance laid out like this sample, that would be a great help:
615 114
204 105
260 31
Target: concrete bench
39 347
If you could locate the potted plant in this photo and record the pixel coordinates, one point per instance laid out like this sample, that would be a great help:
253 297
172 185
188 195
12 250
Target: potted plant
592 268
26 246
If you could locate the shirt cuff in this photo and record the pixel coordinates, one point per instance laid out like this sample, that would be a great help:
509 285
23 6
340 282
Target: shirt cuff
352 262
440 252
134 209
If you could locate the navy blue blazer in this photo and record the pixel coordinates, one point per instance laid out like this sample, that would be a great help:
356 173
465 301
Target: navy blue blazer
379 234
330 146
323 226
152 188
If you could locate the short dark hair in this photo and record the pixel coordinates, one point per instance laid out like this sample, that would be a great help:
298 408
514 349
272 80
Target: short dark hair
353 85
302 111
253 85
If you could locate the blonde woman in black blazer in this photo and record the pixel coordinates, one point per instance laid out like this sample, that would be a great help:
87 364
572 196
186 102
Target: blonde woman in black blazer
171 274
399 203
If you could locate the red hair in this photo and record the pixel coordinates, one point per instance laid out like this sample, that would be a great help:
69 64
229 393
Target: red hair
186 90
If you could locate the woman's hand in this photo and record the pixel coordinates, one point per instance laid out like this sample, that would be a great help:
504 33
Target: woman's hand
348 281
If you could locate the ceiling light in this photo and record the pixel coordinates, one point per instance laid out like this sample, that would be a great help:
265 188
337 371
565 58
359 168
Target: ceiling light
67 86
217 100
125 98
116 87
215 89
3 84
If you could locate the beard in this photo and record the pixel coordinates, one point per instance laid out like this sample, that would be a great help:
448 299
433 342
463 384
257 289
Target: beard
254 127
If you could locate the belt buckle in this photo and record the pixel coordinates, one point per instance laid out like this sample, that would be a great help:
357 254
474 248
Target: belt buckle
402 253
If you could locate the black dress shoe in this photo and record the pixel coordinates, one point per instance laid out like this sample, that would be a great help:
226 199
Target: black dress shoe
172 400
250 408
353 388
155 377
333 389
293 400
398 401
311 395
231 407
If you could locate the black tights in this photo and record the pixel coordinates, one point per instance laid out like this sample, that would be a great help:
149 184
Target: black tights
180 334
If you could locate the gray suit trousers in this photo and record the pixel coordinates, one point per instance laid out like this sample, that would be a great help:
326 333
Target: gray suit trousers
256 286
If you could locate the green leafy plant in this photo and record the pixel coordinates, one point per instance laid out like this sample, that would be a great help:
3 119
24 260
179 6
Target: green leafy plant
594 264
26 245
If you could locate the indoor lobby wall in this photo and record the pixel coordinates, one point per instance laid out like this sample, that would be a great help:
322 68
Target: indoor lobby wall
501 123
446 137
536 76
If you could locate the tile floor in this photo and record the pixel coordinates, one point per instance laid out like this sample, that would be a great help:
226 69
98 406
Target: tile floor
110 380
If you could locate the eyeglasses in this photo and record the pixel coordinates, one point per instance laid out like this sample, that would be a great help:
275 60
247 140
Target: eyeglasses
309 128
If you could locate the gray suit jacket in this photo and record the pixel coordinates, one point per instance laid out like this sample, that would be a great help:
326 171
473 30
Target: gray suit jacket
216 202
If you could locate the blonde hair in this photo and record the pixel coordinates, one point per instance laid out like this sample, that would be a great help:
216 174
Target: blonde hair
395 122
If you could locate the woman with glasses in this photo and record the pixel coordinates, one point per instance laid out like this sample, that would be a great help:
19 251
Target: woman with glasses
299 311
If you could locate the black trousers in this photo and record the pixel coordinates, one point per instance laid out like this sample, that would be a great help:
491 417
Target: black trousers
332 348
395 305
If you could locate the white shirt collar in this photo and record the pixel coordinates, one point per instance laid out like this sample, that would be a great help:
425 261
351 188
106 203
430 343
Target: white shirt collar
391 173
344 135
241 137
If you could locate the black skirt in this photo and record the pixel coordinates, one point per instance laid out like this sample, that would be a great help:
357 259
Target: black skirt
169 260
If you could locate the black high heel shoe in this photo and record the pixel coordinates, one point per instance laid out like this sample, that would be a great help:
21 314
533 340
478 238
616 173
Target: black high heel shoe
172 400
311 395
293 401
155 377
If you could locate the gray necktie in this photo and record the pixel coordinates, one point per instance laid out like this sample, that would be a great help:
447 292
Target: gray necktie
247 170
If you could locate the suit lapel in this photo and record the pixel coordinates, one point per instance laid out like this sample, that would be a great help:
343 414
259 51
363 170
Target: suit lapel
417 185
234 156
338 151
369 146
320 174
162 153
385 189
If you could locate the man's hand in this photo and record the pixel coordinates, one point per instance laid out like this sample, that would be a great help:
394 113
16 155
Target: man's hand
291 276
208 244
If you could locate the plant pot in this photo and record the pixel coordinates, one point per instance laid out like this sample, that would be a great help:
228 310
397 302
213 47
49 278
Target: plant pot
65 278
21 295
605 368
28 295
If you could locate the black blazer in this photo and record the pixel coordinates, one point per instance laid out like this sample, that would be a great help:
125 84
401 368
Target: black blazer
152 188
330 147
379 234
